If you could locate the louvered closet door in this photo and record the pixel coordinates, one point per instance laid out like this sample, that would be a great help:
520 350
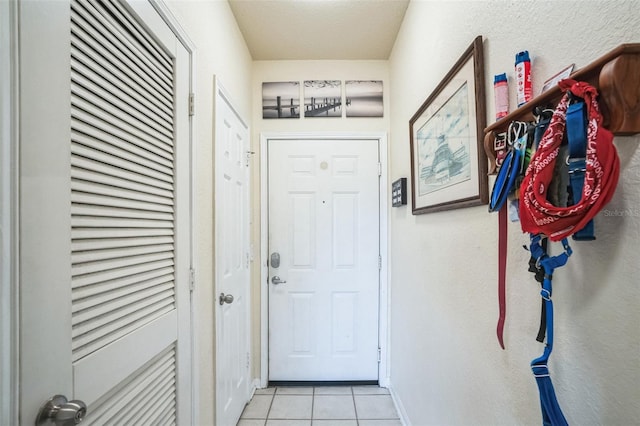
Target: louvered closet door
105 221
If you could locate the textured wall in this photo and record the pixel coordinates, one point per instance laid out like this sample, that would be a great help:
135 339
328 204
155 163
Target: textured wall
446 365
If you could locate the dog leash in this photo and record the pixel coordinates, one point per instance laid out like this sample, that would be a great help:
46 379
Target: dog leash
505 182
551 411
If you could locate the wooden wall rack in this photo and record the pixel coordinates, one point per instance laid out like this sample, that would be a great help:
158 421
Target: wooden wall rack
616 75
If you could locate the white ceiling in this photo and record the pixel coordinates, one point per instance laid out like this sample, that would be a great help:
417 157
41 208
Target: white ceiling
319 29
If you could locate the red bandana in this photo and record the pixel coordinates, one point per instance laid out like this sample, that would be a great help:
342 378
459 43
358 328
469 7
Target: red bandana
537 215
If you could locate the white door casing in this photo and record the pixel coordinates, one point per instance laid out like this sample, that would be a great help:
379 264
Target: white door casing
8 213
105 212
231 260
324 217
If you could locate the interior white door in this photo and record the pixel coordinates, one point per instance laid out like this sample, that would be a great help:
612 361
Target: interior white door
105 212
232 261
324 227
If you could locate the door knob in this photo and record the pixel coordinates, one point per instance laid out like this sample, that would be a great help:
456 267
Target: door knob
60 412
225 298
276 280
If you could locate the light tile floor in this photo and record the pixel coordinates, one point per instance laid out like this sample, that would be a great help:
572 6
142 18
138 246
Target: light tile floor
321 406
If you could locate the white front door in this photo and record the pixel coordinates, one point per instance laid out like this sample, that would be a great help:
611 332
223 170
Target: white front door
104 212
324 229
232 261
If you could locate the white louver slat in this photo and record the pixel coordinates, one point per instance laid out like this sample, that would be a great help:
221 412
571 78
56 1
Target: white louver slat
83 88
143 163
86 246
152 387
88 17
99 58
99 110
135 35
123 196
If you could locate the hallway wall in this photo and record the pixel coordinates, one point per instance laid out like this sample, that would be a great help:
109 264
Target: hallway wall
446 365
220 51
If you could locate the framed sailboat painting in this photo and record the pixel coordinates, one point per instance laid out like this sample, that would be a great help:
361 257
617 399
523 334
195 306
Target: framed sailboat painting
448 163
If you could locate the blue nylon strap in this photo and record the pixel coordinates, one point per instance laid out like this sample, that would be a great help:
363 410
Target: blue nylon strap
511 166
505 180
536 246
577 130
549 263
540 128
577 138
551 412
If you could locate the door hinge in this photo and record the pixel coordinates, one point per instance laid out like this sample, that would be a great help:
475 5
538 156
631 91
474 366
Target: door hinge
247 259
379 355
379 169
192 106
379 263
192 279
248 360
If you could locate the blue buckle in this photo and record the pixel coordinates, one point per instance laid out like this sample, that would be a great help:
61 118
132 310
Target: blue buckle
546 294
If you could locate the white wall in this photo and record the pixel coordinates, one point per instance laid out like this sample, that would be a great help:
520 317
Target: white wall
446 365
277 71
221 51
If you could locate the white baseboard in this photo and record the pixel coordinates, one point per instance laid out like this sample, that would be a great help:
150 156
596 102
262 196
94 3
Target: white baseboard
384 382
404 418
254 386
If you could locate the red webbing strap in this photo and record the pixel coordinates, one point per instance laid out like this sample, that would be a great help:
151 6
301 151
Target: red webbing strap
502 270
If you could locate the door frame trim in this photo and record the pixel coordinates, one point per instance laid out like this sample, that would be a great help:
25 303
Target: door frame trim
383 309
9 190
183 38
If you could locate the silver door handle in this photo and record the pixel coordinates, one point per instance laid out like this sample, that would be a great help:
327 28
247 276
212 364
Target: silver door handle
225 298
60 412
276 280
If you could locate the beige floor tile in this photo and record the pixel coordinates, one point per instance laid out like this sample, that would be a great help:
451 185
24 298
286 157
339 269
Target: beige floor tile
288 422
375 407
294 390
380 422
370 390
333 407
334 423
258 407
251 422
332 390
291 407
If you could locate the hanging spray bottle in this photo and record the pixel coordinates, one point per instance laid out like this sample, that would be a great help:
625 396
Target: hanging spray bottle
523 78
501 92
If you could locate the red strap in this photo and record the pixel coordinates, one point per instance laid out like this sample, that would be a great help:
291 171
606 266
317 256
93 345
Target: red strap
502 270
